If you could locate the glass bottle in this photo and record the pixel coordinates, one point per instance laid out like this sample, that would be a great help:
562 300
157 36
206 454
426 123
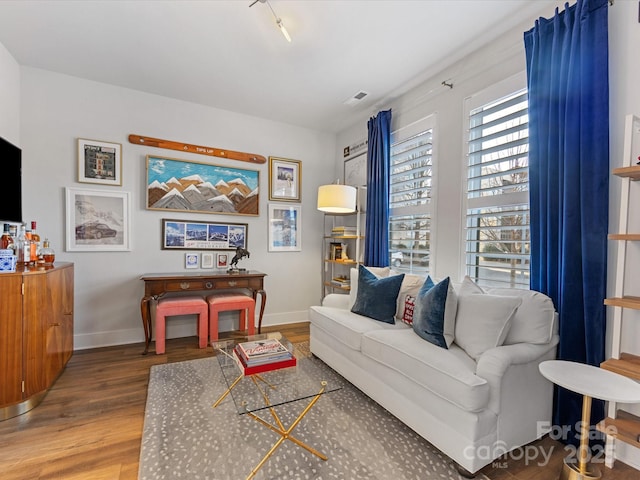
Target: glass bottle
48 254
23 247
13 231
6 241
35 244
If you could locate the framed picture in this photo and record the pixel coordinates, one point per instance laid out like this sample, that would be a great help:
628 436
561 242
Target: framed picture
187 186
191 260
186 235
285 228
285 179
355 170
206 260
99 162
222 260
97 221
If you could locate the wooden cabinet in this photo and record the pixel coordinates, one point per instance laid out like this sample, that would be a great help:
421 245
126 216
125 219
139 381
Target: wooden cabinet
36 334
619 424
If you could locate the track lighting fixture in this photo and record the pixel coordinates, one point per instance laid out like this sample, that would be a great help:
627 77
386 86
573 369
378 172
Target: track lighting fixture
278 19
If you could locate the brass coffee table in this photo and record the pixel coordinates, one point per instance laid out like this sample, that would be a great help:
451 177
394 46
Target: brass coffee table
257 394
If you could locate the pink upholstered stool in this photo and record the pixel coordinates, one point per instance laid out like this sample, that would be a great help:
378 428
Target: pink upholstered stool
227 302
191 305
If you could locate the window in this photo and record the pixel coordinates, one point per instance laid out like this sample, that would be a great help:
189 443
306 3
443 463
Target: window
410 196
497 220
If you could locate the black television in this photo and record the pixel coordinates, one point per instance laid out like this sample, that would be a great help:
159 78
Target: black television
11 174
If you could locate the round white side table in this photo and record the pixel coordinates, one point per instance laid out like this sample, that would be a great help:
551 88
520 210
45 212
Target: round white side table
590 382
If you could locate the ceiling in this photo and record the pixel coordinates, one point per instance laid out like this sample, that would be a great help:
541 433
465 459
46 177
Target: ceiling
229 56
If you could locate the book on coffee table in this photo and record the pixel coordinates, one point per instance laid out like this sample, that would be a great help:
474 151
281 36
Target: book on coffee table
266 366
262 351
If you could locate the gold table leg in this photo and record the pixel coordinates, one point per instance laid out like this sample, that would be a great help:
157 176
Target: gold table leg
583 470
285 433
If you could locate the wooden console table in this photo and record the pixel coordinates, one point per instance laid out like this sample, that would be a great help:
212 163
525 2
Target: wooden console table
158 284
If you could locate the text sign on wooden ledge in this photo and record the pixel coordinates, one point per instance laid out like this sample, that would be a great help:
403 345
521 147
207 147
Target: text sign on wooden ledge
186 147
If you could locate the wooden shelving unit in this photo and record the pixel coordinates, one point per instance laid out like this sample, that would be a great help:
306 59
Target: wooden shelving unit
631 172
625 427
332 268
621 425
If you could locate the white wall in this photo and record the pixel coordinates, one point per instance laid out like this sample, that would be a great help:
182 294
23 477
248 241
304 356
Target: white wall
9 97
57 109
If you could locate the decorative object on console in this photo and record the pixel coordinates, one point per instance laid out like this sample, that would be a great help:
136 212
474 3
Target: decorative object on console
376 297
99 162
185 235
435 312
187 147
240 254
336 198
180 185
285 179
97 220
285 228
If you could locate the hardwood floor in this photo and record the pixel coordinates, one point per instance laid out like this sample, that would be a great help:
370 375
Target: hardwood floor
89 426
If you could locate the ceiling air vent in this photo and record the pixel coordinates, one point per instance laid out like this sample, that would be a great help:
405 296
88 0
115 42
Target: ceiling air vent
357 98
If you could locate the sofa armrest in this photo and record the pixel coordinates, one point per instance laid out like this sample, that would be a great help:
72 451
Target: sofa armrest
336 300
523 358
494 362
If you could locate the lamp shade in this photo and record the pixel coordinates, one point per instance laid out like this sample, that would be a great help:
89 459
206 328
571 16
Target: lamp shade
337 198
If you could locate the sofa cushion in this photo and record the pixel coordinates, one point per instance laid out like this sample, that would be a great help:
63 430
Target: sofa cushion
534 320
347 327
377 296
380 272
450 374
435 312
483 321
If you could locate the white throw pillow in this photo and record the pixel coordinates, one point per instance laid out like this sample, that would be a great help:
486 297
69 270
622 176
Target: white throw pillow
380 272
483 321
534 320
469 287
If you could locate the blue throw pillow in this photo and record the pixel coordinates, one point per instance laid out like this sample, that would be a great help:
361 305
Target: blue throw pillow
377 296
435 312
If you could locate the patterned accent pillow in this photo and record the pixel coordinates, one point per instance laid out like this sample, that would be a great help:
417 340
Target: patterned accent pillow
409 305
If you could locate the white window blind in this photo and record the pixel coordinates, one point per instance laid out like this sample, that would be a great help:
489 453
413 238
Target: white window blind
410 194
497 220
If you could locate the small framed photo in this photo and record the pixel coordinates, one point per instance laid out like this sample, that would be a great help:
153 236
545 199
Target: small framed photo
285 228
191 260
285 179
99 162
206 260
222 260
97 220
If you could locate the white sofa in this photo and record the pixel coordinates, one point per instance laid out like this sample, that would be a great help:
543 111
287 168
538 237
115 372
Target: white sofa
473 410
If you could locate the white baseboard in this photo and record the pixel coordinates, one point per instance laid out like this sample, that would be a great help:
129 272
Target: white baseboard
178 328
